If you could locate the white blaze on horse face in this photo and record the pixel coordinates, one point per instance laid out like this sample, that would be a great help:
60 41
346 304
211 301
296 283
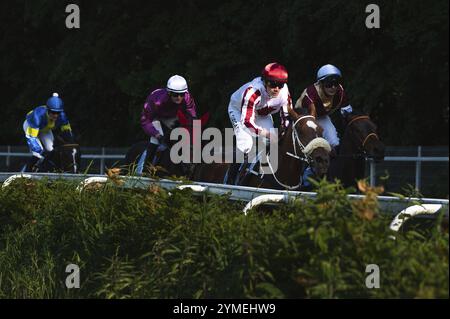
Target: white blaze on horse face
74 154
312 125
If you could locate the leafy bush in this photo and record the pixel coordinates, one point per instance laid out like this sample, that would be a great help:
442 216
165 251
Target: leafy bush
152 244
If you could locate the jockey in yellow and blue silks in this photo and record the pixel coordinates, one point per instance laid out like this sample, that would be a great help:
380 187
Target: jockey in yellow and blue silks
39 124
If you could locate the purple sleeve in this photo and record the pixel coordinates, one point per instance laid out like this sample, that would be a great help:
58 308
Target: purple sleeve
191 108
147 117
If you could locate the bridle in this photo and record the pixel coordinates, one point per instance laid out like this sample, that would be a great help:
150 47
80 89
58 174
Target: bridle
73 153
363 141
296 141
301 157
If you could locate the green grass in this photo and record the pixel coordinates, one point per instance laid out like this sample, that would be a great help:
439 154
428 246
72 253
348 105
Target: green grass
147 244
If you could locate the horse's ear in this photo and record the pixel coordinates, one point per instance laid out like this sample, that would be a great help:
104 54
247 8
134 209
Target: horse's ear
292 112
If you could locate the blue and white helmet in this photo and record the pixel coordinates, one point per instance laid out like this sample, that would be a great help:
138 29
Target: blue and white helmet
328 70
55 104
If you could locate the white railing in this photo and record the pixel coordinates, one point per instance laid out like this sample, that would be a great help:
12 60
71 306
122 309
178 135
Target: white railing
372 165
417 159
252 196
102 157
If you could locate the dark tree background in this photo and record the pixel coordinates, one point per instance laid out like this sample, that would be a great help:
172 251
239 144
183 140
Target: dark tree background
125 49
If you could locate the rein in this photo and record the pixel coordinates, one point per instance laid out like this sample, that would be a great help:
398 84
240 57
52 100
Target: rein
296 138
363 141
304 157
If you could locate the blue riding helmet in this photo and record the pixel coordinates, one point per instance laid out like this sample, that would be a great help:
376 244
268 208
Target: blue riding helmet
328 70
55 104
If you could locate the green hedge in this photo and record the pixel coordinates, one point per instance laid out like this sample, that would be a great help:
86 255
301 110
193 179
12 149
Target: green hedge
150 244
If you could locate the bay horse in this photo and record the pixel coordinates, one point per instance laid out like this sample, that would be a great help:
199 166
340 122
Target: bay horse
300 145
64 158
359 142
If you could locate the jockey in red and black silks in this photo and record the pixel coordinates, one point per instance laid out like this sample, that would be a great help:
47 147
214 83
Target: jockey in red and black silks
325 97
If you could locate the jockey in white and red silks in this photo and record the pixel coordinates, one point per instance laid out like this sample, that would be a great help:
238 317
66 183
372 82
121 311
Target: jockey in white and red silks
252 105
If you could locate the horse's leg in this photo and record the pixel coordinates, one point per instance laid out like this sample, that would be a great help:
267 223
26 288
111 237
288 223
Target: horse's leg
32 161
333 170
133 156
211 173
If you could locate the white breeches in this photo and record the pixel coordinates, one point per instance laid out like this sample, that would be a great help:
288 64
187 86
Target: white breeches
329 131
45 139
244 137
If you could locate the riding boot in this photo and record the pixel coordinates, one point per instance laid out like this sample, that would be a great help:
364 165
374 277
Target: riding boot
151 152
234 171
141 162
33 164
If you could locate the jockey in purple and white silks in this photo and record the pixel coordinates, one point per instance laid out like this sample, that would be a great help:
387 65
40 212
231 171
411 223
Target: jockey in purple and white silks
40 123
162 106
323 98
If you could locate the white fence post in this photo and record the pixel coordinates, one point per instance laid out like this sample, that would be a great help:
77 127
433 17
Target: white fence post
418 167
372 173
102 162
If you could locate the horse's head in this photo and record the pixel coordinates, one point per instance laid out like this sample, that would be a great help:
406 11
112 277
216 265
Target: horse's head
362 133
307 133
67 158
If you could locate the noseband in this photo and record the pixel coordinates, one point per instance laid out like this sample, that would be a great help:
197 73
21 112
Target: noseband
303 157
296 141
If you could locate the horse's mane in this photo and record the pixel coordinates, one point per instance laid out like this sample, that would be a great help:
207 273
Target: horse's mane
302 111
355 112
358 112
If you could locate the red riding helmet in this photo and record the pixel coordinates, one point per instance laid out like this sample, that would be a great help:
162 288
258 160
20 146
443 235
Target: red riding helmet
275 72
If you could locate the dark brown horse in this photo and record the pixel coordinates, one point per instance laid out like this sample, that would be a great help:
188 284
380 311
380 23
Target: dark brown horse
359 142
64 158
300 145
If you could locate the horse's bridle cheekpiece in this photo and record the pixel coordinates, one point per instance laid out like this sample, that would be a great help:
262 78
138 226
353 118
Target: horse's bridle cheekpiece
363 141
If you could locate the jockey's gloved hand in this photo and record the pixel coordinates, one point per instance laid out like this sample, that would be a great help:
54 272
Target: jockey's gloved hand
162 143
161 147
346 110
40 156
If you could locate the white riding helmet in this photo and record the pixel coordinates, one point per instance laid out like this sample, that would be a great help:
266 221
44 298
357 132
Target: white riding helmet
177 84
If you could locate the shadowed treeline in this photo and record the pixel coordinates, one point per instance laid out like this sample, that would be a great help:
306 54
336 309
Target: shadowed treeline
124 49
